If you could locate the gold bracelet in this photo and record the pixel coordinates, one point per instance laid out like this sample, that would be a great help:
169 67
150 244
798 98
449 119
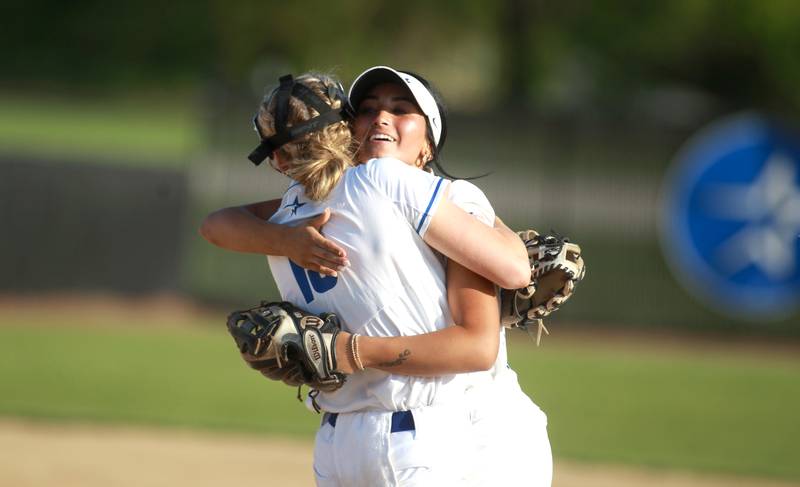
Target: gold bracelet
354 350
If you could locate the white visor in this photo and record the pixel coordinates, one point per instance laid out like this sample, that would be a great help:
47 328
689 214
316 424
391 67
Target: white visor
384 74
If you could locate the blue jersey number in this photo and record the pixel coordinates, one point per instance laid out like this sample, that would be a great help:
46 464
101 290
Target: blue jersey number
308 280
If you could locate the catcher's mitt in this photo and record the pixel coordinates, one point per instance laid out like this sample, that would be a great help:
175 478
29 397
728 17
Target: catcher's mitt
556 267
286 343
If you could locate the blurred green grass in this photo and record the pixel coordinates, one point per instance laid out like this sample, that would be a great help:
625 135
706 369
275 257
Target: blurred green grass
187 378
671 408
667 407
139 130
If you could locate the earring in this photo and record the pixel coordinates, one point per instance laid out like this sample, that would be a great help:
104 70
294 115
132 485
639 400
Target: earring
425 157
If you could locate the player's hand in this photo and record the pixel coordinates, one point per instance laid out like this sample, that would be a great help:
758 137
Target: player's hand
311 250
291 375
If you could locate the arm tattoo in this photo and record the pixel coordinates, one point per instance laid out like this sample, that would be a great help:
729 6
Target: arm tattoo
402 357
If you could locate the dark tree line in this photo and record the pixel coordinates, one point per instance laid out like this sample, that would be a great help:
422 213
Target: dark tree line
510 53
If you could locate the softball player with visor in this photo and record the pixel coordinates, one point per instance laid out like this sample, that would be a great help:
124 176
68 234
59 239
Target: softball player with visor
392 109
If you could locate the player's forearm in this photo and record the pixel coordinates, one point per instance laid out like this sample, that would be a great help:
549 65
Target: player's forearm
510 236
469 346
450 351
236 228
484 250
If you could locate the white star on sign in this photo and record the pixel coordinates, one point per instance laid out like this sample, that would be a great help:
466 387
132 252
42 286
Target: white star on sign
770 206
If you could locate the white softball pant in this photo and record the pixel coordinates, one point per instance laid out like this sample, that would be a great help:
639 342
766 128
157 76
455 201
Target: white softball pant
427 446
513 448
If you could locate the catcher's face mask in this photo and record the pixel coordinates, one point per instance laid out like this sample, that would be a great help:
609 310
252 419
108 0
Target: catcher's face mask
290 88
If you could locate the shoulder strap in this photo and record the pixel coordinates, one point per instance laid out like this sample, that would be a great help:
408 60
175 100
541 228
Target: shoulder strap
283 135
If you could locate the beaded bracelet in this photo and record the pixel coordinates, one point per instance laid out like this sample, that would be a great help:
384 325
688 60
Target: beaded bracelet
354 350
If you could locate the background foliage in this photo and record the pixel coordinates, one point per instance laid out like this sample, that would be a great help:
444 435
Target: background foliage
557 55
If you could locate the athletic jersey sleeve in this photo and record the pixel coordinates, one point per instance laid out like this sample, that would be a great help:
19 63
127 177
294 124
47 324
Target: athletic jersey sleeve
471 199
417 194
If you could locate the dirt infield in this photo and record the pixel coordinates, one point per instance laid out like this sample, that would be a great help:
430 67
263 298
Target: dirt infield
40 454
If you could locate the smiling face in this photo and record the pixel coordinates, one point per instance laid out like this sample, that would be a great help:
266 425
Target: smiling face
389 123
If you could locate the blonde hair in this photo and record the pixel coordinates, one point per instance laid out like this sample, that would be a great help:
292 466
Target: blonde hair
316 160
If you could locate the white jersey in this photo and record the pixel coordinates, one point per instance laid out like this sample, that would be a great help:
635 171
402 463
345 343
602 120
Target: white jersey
394 285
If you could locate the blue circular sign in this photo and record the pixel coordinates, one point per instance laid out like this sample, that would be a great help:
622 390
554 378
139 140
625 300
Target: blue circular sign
731 217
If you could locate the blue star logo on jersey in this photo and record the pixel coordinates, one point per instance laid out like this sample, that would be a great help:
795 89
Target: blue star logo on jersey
295 205
731 217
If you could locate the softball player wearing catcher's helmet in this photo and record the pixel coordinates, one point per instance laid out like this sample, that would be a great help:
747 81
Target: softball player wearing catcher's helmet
381 428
